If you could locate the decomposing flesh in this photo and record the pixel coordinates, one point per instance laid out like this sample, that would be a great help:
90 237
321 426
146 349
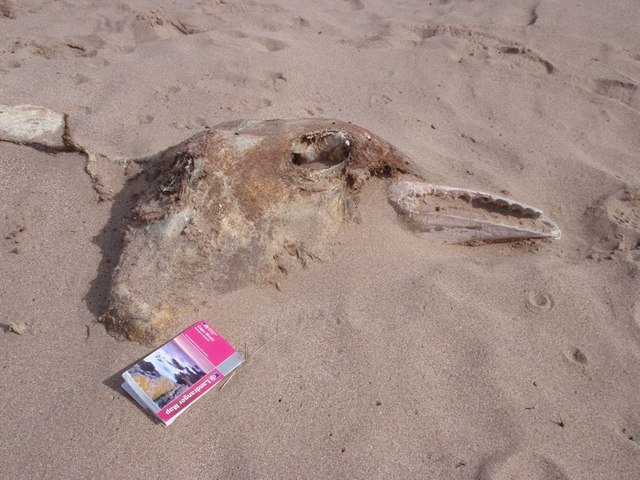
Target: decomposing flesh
246 201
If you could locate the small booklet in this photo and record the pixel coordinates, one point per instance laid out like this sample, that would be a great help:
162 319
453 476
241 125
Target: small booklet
173 377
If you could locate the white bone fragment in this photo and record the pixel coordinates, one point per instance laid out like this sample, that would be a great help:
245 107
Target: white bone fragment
459 215
31 124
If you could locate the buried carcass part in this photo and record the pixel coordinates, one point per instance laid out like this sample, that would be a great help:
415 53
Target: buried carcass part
242 202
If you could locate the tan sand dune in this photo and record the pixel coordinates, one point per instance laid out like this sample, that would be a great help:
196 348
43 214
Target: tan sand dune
396 357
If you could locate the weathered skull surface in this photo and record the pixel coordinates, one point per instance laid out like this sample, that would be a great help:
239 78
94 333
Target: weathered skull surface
244 201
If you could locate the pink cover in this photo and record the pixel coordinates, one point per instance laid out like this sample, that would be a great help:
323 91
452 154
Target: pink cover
215 349
193 362
208 341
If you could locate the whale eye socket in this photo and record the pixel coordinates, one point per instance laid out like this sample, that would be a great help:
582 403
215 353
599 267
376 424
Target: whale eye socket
321 150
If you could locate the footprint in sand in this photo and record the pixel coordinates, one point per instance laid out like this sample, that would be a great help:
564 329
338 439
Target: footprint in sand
249 104
79 79
315 111
539 302
576 355
51 49
263 44
355 4
152 25
275 81
380 100
617 224
631 435
636 315
495 47
623 208
519 465
533 15
271 44
145 119
624 92
301 22
7 9
167 93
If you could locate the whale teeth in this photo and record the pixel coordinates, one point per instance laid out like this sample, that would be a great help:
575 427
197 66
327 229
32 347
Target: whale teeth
459 215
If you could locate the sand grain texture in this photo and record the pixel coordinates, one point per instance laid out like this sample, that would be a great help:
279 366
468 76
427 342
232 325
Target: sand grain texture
395 357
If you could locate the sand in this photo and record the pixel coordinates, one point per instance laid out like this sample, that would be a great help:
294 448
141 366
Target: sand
395 357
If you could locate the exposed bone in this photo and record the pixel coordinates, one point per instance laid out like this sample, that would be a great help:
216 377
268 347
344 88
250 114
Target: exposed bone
45 130
237 205
459 215
247 201
31 124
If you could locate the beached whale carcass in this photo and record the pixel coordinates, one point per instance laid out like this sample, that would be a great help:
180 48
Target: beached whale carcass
245 201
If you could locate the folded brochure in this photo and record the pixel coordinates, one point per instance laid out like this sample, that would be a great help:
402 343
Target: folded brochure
173 377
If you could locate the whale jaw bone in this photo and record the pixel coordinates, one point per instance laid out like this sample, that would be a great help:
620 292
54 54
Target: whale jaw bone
462 216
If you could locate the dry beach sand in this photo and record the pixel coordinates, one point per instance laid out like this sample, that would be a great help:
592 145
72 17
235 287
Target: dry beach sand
395 357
